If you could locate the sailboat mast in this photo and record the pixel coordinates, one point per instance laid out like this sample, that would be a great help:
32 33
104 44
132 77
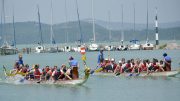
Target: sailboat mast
147 27
52 33
14 30
40 28
79 23
66 29
1 28
109 26
4 22
134 21
156 25
122 26
94 33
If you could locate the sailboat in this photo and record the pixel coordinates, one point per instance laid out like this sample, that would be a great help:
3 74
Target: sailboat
147 45
1 30
93 46
79 46
109 47
66 48
6 48
53 48
134 45
40 48
122 46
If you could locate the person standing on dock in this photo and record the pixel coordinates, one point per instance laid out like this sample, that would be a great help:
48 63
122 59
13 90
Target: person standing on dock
167 62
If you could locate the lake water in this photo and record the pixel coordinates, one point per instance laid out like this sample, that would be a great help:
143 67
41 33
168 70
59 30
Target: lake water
97 88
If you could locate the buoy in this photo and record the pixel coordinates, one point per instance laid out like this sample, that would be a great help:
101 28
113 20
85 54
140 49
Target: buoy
83 50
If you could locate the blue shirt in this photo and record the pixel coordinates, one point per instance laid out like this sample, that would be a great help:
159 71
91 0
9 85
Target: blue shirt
20 62
73 63
100 57
167 58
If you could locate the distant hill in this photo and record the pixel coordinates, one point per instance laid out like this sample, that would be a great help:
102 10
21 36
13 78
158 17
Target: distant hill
129 26
28 32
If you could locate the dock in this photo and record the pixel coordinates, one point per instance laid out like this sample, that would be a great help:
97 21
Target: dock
4 51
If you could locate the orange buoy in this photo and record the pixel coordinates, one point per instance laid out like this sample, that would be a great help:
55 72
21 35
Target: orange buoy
83 50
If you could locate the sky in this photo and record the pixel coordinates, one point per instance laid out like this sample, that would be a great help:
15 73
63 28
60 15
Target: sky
26 10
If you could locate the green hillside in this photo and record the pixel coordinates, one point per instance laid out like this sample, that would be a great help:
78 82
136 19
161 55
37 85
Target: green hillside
28 32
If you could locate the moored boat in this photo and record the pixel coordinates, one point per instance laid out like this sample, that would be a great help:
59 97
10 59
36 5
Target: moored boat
40 49
93 47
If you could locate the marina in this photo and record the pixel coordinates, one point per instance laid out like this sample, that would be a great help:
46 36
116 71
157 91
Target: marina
89 50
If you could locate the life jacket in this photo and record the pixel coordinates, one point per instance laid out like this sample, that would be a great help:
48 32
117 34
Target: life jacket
37 74
118 69
54 73
128 65
114 66
47 69
143 67
24 70
155 66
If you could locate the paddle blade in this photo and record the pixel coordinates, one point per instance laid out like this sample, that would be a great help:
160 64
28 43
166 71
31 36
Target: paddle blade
131 74
117 74
99 69
92 72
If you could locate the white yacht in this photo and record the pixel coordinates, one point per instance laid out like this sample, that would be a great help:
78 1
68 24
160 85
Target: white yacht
109 47
53 47
134 45
93 47
8 49
40 49
147 45
67 48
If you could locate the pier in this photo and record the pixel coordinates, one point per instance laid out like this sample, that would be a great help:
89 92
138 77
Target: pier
4 51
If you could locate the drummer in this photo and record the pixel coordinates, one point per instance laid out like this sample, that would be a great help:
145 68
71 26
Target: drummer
74 65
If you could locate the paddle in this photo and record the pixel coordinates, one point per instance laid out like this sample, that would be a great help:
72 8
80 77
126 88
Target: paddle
83 58
92 72
65 75
149 72
4 69
137 74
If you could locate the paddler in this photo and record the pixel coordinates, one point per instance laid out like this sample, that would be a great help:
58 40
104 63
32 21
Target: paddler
37 72
20 61
117 70
74 65
55 73
167 62
100 57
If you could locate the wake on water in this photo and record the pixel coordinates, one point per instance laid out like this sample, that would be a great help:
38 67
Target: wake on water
19 80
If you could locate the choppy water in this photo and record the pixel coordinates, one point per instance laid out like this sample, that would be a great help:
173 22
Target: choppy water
96 88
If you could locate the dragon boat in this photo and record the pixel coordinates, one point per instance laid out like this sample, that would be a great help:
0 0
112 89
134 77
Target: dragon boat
20 78
141 74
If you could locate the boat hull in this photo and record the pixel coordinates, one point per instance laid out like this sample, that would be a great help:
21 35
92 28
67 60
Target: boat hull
154 74
134 47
